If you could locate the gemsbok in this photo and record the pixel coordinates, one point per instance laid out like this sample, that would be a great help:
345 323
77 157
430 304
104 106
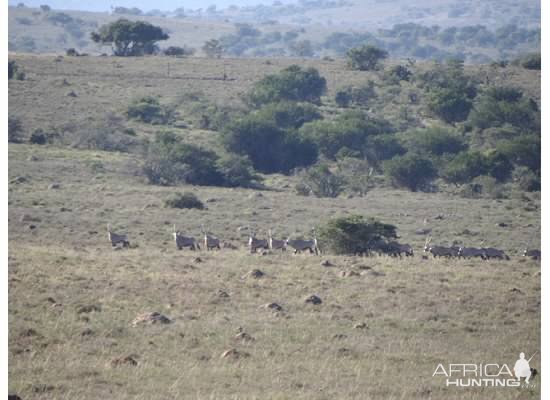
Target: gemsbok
300 245
184 241
256 244
210 242
440 251
116 238
275 244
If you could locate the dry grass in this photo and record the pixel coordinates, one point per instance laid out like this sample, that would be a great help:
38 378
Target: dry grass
72 299
417 312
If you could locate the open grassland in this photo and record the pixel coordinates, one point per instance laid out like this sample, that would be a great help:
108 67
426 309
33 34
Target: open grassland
72 298
382 327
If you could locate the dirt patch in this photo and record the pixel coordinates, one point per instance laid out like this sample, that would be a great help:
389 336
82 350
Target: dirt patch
151 318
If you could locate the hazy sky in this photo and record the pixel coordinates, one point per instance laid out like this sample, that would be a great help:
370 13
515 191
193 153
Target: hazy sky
145 5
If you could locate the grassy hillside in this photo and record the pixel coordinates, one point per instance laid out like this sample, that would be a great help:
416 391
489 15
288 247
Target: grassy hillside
382 327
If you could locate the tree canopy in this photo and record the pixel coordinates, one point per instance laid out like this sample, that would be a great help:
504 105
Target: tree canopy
129 38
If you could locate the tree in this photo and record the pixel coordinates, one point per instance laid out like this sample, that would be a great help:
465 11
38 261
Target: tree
213 48
269 147
45 8
322 182
354 234
365 58
411 171
128 38
436 141
292 83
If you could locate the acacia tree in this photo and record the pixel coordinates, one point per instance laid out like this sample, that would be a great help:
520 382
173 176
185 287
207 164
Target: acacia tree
129 38
365 58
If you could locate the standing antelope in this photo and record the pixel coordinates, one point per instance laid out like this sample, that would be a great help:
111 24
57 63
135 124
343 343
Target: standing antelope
210 242
256 244
275 244
184 241
115 238
469 252
396 249
439 251
300 245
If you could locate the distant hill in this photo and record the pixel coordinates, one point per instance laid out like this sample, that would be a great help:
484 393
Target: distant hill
478 32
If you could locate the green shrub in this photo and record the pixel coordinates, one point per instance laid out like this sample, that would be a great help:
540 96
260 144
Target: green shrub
322 182
365 58
350 130
39 137
354 234
238 171
355 95
531 61
15 129
288 114
14 72
526 179
149 110
343 97
436 141
383 147
269 147
292 83
464 167
185 200
501 106
523 151
398 73
177 51
170 161
411 171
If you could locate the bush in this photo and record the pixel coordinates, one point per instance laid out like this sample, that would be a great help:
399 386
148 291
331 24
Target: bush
149 110
523 151
501 106
106 138
411 171
354 234
365 58
269 147
349 130
436 141
38 137
177 51
238 171
531 61
15 130
170 161
526 179
288 114
292 83
398 73
14 72
322 182
185 200
464 167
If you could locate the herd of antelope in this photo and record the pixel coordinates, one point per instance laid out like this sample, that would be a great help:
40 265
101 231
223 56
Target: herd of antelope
380 247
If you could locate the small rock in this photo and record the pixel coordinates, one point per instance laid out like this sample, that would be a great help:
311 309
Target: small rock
151 318
502 225
198 260
222 294
326 263
128 360
13 397
54 186
87 332
211 200
234 354
32 158
244 337
361 325
71 94
273 306
313 299
255 273
19 179
423 231
29 218
31 227
516 290
88 309
339 336
347 274
65 209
